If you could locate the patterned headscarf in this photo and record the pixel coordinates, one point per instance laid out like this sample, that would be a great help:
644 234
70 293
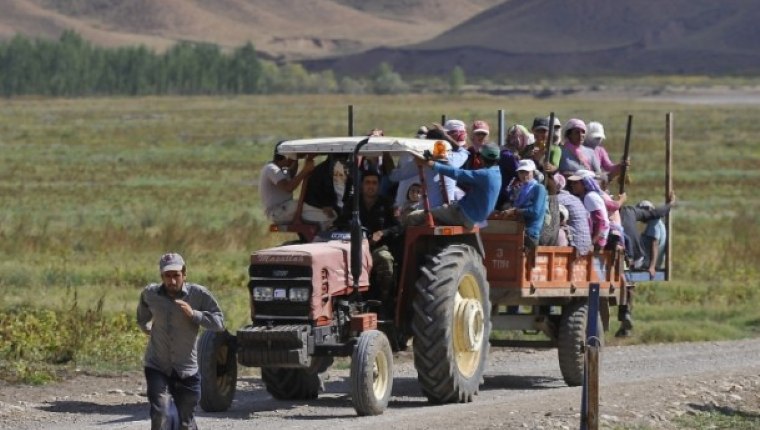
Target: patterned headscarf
519 137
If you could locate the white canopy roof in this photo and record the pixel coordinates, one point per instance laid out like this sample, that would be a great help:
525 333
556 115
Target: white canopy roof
342 145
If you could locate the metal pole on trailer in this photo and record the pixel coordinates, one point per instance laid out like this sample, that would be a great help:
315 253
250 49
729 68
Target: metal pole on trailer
626 151
668 190
590 396
549 139
443 119
350 120
500 121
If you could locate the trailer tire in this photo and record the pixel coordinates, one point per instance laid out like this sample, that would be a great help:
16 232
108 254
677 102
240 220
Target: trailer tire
451 325
217 363
371 373
571 339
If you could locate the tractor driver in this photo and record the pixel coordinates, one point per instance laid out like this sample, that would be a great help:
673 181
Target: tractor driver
377 217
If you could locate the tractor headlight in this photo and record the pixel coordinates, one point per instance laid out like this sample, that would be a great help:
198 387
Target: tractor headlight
263 294
298 294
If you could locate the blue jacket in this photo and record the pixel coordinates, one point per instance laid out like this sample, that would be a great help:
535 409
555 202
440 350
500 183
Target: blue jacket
484 189
533 211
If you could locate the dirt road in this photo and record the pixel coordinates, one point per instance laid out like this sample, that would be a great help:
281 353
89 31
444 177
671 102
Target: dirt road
648 385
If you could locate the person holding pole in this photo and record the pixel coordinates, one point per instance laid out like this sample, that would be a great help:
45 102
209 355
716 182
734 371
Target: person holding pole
594 140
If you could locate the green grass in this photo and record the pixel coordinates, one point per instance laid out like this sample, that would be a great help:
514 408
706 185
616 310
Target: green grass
94 190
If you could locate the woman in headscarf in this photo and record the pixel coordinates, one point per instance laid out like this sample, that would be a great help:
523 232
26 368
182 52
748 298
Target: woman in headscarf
575 156
583 185
518 138
594 140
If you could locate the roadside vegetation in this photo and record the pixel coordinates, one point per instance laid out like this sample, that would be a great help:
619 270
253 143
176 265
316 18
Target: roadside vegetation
94 190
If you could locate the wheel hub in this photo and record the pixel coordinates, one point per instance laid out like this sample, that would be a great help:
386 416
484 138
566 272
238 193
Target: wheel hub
468 325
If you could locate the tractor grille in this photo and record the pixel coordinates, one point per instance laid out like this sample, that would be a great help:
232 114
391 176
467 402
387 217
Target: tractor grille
280 278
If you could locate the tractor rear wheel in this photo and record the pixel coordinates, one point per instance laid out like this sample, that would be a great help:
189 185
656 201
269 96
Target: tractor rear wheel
451 325
217 363
571 340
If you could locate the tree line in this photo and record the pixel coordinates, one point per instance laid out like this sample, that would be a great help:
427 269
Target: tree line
73 67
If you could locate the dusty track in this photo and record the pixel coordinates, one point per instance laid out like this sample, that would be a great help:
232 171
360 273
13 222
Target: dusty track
523 389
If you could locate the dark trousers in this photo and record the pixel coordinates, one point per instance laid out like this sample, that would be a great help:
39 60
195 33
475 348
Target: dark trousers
166 392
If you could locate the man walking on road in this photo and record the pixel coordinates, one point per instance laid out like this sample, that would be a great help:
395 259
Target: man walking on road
171 314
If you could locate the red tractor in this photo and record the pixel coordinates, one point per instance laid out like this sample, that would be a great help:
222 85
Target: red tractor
311 302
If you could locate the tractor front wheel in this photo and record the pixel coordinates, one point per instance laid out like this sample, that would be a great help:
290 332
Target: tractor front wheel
371 373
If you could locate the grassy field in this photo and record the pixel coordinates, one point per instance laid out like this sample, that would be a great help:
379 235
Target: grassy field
94 190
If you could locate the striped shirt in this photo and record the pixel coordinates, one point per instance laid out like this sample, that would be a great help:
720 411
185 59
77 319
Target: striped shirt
577 222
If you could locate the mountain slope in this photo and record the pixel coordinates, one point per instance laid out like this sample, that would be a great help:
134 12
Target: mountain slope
288 28
585 36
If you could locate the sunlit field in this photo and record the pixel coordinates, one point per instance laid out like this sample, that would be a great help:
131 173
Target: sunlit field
94 190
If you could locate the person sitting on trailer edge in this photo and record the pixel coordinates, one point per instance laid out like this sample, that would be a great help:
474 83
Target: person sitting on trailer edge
476 205
277 181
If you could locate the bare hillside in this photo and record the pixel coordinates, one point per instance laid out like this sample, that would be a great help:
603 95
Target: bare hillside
585 37
289 28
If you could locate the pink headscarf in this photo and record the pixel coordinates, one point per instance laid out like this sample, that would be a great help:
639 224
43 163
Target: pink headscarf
574 123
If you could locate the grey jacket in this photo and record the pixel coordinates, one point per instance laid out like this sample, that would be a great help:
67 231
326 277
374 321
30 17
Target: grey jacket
172 334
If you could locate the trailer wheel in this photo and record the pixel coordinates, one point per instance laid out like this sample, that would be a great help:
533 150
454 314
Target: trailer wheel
371 373
451 325
217 363
295 384
571 340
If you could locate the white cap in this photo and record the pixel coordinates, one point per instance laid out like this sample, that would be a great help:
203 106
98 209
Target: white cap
581 174
595 130
526 166
454 125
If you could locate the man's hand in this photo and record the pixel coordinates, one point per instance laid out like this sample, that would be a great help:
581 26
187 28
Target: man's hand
671 197
308 165
622 198
652 272
423 163
186 308
509 213
376 236
329 212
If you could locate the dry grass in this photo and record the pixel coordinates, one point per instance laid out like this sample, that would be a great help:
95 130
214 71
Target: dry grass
94 190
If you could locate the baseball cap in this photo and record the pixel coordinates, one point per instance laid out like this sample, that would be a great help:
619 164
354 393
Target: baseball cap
595 130
454 125
490 151
645 204
171 261
480 126
581 174
540 123
526 166
422 132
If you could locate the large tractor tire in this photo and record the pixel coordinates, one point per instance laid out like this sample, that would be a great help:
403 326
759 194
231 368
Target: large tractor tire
295 384
217 363
371 373
451 325
571 340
